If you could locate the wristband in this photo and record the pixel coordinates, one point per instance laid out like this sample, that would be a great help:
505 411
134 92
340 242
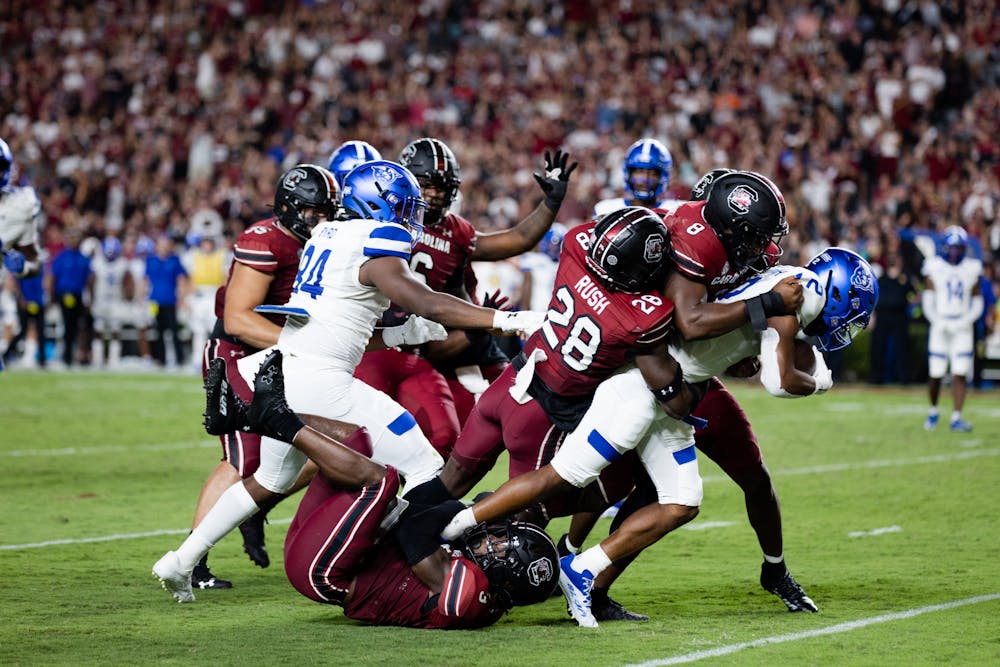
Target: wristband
672 389
763 306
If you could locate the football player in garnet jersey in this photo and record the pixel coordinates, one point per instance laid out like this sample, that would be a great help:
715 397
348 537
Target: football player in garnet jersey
265 262
441 257
403 577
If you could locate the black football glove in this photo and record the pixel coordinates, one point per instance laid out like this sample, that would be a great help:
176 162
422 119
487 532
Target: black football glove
497 301
555 180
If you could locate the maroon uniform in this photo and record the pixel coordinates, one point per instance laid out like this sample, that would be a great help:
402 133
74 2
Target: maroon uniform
699 256
332 556
440 257
265 247
589 333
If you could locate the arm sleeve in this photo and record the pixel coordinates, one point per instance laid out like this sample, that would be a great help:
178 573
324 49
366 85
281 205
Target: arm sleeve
770 374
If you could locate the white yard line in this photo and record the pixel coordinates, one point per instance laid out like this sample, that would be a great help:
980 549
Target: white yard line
876 531
818 632
838 467
112 538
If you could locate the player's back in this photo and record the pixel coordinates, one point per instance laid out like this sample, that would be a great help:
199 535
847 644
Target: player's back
701 359
342 311
591 331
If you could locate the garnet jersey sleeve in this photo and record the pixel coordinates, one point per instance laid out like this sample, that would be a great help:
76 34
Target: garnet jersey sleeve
264 247
465 600
591 331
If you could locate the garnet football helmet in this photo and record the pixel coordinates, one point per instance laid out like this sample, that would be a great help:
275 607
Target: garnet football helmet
700 190
305 186
433 163
519 560
629 249
647 154
348 156
851 296
385 191
747 212
6 162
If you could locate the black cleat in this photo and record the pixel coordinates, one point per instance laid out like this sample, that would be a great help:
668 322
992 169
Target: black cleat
202 577
268 413
783 584
605 609
224 411
253 539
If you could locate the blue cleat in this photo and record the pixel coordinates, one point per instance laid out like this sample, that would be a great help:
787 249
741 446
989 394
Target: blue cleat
960 426
576 587
931 423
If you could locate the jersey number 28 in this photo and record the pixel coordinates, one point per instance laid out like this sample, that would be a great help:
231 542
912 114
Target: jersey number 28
583 337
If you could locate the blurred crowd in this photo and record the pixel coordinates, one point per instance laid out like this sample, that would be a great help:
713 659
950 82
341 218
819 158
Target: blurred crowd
138 120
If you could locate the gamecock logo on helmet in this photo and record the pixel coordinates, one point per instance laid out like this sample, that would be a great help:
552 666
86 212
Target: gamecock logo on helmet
292 178
741 199
540 572
654 248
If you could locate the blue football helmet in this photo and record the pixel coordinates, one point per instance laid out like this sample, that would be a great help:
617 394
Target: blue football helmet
385 191
348 156
6 162
954 242
851 296
647 154
112 248
551 243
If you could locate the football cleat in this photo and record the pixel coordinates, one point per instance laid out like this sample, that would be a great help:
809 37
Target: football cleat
202 577
931 423
606 609
783 584
960 425
268 413
175 581
576 586
253 539
224 411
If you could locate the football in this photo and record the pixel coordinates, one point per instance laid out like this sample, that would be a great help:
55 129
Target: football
805 360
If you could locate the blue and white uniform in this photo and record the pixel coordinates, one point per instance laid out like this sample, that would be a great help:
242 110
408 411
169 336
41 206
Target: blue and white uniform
19 214
952 310
332 316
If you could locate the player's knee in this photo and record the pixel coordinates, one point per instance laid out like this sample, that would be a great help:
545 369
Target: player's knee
458 479
674 515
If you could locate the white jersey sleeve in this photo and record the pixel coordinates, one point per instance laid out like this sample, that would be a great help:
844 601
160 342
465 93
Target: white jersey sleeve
342 311
702 359
19 211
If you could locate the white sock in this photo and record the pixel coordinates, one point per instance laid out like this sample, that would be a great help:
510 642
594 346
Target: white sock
233 508
593 559
572 548
774 559
460 523
933 411
956 415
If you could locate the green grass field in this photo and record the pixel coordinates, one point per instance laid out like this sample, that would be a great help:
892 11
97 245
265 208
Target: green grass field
892 531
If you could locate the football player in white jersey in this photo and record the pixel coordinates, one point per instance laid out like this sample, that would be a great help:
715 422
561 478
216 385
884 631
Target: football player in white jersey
19 213
349 272
647 176
111 281
952 303
625 415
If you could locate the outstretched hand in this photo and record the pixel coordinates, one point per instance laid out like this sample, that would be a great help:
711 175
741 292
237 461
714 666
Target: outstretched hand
497 301
555 179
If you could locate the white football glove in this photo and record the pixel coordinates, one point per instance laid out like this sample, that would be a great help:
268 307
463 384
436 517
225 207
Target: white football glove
524 322
415 330
823 376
